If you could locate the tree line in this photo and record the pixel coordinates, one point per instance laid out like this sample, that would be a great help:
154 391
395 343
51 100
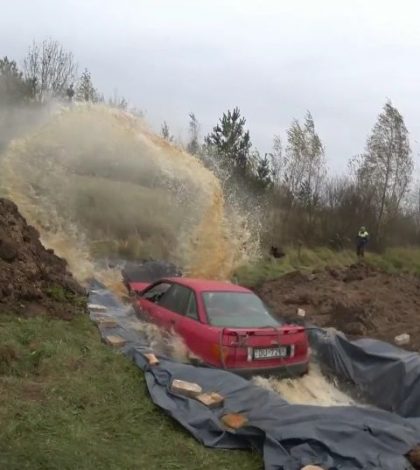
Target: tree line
288 189
296 198
49 71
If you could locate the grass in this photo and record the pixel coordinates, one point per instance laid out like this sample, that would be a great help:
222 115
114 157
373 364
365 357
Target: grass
398 260
59 294
67 401
393 261
304 260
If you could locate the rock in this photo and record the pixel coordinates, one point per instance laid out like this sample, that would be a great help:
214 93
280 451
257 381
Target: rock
8 251
152 359
402 339
301 312
311 467
106 322
115 341
234 420
212 399
138 326
97 308
188 389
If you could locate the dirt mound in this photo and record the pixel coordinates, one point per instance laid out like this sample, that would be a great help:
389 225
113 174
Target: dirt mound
33 280
359 300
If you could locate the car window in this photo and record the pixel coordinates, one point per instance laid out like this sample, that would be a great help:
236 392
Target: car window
237 309
157 292
181 300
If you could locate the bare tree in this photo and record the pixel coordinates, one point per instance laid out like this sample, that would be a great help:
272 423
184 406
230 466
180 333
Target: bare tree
276 160
49 68
386 167
304 163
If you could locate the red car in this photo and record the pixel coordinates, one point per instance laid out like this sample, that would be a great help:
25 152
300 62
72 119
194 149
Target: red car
224 324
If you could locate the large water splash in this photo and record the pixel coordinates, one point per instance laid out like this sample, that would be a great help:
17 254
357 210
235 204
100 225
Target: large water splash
96 181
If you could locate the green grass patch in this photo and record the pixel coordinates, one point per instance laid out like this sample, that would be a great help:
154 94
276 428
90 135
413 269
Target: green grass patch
404 260
397 260
67 401
59 294
304 260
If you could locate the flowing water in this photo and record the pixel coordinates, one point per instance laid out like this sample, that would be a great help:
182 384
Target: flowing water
311 389
96 182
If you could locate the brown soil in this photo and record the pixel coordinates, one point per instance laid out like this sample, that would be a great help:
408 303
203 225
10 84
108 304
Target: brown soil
33 280
359 300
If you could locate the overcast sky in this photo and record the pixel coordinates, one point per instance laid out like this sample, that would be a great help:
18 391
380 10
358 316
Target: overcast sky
273 58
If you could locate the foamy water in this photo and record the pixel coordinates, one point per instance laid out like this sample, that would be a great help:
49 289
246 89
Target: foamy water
311 389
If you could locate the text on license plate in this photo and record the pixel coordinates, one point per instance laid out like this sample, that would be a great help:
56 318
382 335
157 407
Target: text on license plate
270 353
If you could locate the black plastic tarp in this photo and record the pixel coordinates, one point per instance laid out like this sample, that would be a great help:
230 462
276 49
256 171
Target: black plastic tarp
289 436
386 375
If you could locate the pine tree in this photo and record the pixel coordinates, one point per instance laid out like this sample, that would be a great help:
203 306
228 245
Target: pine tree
85 89
231 142
13 88
264 171
193 146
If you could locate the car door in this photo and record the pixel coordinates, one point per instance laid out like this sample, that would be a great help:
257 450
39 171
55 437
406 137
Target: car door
149 303
172 305
182 314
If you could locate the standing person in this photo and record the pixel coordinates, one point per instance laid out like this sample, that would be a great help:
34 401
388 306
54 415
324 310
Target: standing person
362 239
70 93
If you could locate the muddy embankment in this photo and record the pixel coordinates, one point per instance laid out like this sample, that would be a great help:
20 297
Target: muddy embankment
359 300
33 280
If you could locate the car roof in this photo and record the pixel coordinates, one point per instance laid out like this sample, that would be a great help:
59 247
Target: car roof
204 285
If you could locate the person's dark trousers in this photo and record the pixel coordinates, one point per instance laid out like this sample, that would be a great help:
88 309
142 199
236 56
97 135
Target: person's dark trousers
361 249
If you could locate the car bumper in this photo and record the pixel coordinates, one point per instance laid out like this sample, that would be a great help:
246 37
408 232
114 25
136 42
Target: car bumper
285 370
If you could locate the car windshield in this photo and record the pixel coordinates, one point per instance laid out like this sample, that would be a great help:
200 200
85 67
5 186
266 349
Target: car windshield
237 310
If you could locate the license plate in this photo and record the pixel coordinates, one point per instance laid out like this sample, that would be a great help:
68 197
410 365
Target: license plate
270 353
